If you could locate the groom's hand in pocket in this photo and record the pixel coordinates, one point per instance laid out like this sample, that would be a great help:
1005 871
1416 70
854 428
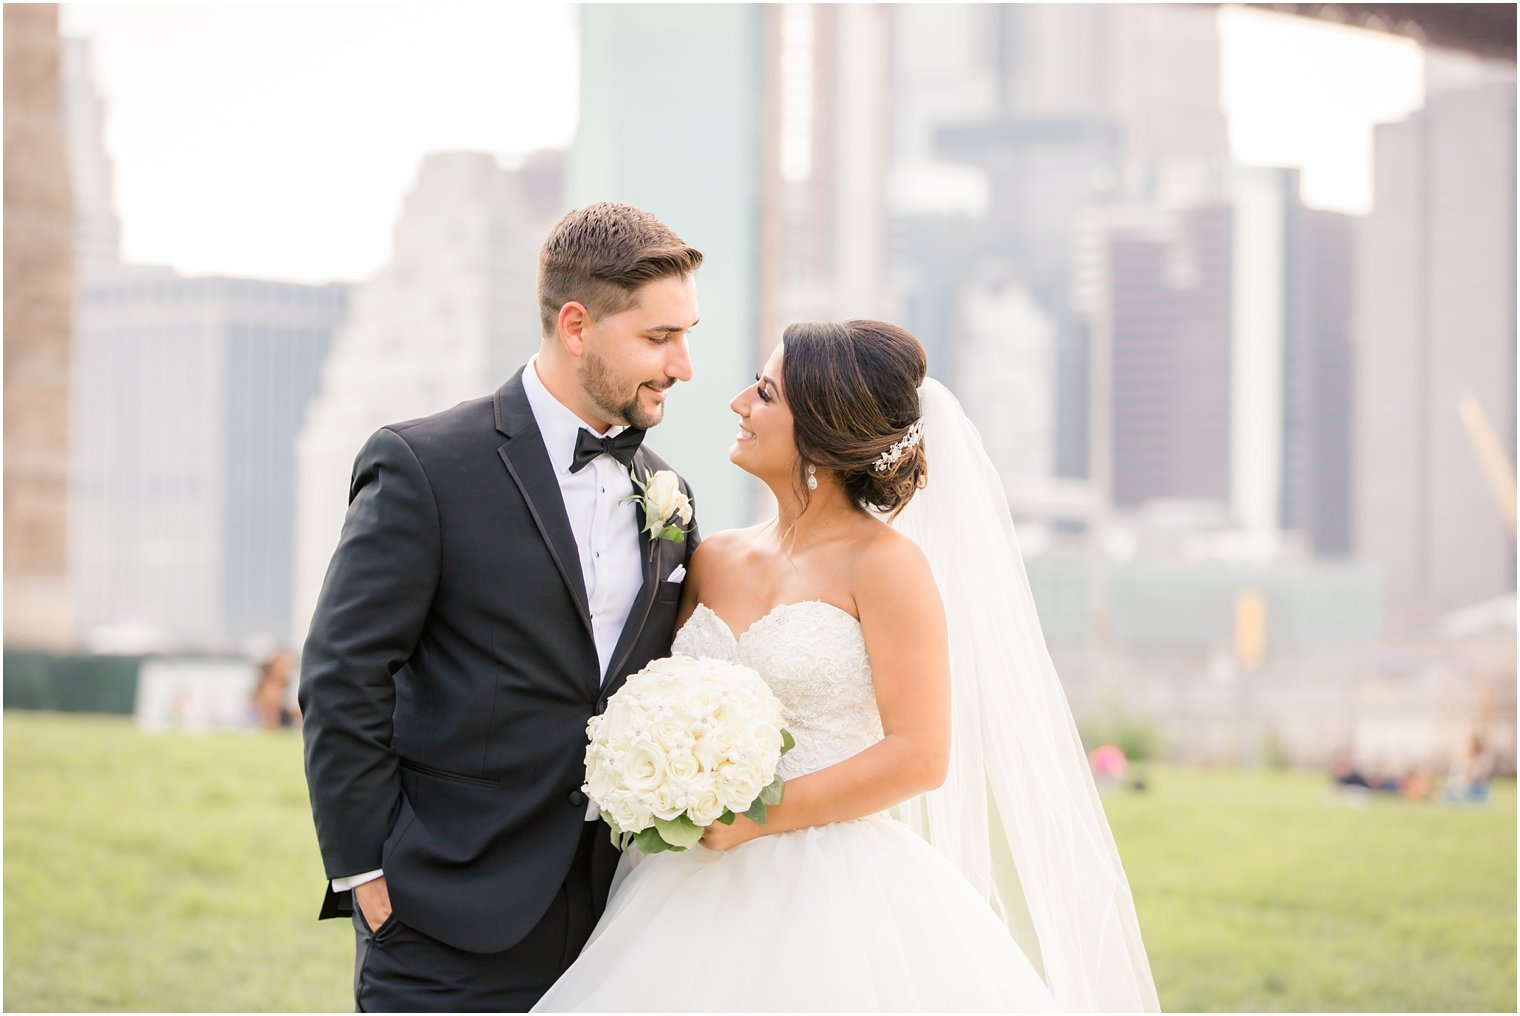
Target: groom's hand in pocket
374 902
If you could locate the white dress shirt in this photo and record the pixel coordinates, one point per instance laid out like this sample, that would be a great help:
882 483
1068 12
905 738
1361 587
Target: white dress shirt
605 525
605 528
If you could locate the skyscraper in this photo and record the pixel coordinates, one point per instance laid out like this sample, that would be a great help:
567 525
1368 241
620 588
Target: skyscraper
1317 466
696 163
1434 324
1053 108
97 242
450 317
826 164
1161 280
39 280
1290 374
189 394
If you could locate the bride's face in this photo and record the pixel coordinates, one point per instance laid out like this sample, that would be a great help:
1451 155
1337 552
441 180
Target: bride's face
764 445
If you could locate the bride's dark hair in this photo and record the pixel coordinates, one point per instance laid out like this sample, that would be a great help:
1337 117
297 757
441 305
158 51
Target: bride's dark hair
853 392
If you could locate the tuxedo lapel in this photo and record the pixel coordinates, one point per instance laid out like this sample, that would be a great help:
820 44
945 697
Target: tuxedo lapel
652 553
527 462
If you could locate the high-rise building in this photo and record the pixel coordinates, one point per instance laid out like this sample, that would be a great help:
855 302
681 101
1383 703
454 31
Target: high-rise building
1317 452
189 393
1435 325
697 164
39 280
1290 392
826 164
1006 379
1052 108
1157 285
97 240
450 317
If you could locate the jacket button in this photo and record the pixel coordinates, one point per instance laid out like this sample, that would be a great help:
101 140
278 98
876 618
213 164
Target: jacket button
577 798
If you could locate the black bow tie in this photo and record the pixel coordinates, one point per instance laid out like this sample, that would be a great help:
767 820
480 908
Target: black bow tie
588 446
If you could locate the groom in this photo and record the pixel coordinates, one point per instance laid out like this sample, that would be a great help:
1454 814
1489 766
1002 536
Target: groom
491 588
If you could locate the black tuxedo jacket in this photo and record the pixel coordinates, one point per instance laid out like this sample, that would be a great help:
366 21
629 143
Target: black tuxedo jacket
450 672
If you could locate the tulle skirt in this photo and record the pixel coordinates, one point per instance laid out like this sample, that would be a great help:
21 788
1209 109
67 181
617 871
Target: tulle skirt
856 916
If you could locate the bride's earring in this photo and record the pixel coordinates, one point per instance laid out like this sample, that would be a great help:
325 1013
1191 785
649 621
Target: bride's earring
812 480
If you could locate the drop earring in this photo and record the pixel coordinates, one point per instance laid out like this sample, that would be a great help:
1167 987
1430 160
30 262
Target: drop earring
812 480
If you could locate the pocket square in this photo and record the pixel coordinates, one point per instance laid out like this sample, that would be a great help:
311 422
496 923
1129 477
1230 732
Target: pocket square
677 575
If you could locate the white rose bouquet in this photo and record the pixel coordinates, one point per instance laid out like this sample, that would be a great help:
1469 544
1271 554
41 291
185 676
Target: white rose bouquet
685 743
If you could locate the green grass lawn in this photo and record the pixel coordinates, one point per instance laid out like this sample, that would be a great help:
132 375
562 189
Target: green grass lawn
179 872
1262 892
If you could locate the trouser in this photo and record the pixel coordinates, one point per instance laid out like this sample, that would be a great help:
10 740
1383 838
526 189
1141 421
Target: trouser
399 969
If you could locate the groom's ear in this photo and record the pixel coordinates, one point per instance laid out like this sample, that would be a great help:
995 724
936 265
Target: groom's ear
573 321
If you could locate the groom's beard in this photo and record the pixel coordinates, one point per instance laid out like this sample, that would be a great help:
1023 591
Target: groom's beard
613 399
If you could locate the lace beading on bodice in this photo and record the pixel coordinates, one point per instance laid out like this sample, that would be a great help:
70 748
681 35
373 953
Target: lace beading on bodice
813 656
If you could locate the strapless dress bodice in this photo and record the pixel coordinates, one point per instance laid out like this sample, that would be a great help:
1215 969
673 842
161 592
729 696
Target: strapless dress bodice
812 654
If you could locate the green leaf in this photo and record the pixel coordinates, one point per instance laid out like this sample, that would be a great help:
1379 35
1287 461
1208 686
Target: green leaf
772 794
756 813
788 742
673 533
649 841
680 832
727 818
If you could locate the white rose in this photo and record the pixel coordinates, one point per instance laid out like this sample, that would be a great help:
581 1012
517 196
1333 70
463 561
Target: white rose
721 743
708 753
600 783
630 816
667 804
706 808
664 496
682 766
673 733
643 766
739 785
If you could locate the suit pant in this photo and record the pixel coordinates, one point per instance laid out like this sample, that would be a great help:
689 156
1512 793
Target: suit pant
399 969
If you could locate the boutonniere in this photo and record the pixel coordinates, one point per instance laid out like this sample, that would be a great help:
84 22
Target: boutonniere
666 507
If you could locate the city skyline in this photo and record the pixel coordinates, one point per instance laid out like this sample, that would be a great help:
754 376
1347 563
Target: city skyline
298 176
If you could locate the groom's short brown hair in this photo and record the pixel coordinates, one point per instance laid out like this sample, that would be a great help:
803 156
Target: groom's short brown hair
599 255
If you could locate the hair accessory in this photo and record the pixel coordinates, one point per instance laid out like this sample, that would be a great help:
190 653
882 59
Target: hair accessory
812 480
908 443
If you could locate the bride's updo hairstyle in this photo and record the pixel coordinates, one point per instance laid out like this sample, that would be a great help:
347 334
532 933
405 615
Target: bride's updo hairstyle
853 392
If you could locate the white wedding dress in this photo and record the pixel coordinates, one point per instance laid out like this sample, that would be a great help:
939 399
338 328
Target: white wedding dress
854 916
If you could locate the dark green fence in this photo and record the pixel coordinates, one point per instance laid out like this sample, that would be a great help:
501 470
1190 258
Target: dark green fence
71 684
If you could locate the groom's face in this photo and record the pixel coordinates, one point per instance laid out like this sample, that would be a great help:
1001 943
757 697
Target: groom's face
633 357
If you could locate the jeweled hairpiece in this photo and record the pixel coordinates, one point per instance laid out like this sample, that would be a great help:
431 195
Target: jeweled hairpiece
908 443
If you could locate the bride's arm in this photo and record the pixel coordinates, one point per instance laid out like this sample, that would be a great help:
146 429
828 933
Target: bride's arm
703 560
904 625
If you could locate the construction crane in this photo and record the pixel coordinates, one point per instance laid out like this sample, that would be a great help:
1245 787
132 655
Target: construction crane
1496 466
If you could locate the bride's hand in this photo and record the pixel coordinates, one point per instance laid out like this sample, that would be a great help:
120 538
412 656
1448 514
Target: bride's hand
725 837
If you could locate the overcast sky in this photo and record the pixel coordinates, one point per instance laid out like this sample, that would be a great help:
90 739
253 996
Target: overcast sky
277 140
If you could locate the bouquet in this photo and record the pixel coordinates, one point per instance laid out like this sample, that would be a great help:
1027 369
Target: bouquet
685 743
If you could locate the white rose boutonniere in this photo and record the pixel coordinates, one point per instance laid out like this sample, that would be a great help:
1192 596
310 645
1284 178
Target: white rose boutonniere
666 506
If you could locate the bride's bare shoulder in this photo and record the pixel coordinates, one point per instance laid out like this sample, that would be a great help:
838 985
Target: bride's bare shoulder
722 549
885 561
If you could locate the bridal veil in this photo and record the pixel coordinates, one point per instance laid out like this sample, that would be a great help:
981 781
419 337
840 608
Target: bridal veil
1018 813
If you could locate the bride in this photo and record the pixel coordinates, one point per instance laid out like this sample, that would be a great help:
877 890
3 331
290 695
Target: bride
886 604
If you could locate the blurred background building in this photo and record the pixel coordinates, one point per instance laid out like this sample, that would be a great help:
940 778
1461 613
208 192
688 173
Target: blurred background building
450 317
187 393
1261 452
39 276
